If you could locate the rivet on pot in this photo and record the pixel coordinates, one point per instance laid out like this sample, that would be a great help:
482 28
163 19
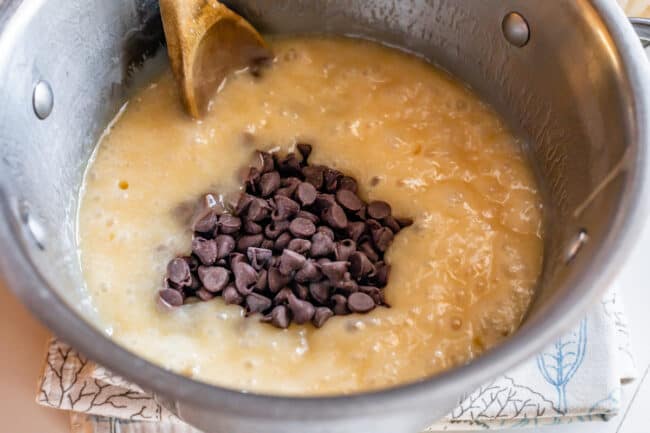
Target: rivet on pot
42 99
576 245
33 227
515 29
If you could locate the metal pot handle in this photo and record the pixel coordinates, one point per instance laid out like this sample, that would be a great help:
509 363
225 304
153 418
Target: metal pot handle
642 28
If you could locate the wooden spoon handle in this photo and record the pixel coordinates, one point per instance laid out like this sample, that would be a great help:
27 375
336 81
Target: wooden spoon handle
206 41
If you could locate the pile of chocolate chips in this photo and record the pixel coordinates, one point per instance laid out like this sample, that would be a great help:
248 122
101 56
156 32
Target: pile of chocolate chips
299 245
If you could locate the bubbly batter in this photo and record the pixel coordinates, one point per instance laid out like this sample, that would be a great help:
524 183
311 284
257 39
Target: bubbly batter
462 276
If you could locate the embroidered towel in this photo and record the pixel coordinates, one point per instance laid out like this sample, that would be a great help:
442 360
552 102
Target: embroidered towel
577 378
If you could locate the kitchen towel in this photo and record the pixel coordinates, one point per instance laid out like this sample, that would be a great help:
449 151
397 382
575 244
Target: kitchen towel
577 378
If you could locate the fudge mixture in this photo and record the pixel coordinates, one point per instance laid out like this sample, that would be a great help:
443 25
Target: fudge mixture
462 239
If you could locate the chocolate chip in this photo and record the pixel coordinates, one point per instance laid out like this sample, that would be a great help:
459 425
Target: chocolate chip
305 150
309 272
360 302
256 303
225 246
306 193
267 244
392 224
229 224
245 277
382 238
375 293
302 227
324 201
279 317
267 162
381 273
285 208
347 285
302 292
262 280
204 295
251 228
282 242
204 219
289 165
196 283
369 251
334 271
326 231
335 217
330 179
301 246
275 228
346 182
248 241
205 250
321 245
290 261
302 311
360 265
285 191
258 210
362 213
192 262
314 175
349 200
290 182
258 257
404 222
236 258
308 215
269 182
355 229
340 306
344 248
321 315
277 280
232 296
320 291
171 297
213 278
167 284
178 272
243 203
283 296
373 225
378 209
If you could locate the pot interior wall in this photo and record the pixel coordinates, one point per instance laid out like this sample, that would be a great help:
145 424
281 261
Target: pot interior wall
563 92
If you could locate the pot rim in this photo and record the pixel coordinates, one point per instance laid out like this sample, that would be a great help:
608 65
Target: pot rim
22 277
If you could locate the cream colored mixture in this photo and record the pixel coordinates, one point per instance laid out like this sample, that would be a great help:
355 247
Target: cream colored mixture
462 276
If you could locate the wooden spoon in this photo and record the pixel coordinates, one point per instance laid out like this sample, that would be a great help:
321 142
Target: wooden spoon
206 41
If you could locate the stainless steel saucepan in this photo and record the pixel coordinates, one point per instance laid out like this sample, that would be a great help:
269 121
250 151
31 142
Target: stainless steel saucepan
570 76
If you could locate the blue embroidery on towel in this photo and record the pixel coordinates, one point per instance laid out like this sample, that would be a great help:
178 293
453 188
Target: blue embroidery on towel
558 365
